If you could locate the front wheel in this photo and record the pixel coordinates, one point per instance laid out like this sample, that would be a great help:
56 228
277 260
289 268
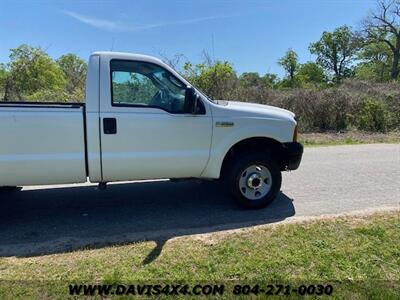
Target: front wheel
254 180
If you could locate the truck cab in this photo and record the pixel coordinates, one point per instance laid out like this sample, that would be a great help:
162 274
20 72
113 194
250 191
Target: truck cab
142 120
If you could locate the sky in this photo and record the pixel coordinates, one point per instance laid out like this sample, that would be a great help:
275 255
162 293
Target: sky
252 34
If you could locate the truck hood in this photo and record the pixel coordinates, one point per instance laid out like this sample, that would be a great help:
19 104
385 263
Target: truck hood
247 109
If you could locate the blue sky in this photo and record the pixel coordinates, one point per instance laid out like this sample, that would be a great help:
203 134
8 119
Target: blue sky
252 34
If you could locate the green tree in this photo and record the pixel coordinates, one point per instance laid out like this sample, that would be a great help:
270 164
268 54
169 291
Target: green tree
336 51
3 78
376 61
31 72
74 69
214 78
311 72
270 80
251 79
383 26
290 62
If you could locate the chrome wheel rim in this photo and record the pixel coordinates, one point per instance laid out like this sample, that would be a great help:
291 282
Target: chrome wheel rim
255 182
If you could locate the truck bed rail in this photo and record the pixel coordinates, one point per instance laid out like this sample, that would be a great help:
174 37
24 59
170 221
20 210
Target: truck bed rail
41 104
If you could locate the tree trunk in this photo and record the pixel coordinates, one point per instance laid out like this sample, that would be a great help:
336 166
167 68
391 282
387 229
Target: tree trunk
291 75
6 96
337 71
394 73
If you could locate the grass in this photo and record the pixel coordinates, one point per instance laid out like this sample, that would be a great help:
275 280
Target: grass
359 255
348 138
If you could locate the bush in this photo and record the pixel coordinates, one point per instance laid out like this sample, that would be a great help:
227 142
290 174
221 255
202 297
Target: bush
373 115
353 104
393 103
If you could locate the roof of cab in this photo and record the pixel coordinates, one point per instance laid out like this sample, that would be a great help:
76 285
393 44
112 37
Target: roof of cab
128 56
109 55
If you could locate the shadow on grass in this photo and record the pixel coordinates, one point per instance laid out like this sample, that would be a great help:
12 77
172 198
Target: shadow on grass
58 220
155 252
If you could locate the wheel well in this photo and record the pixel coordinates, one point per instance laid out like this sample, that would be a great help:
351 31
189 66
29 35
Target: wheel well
256 144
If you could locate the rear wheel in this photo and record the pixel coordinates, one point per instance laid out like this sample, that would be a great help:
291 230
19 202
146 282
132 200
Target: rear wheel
254 180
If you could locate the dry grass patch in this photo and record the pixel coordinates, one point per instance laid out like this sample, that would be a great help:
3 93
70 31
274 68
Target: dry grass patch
348 138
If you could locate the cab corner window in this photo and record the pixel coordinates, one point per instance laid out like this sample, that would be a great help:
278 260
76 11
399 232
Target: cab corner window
145 84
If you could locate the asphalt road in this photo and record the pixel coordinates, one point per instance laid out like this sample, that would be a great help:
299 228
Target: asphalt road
331 180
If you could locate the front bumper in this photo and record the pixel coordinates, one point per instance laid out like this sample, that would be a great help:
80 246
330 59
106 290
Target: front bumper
293 155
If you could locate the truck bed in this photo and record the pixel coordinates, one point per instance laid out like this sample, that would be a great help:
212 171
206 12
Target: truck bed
42 143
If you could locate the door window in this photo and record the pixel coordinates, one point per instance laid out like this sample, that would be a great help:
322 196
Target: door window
145 84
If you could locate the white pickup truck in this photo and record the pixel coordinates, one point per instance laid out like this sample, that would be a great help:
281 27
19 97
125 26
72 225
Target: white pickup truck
142 120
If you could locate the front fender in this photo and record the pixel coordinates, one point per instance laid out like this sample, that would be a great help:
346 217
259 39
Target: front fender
224 138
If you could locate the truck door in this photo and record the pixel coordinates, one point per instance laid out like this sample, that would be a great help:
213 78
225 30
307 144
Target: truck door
145 132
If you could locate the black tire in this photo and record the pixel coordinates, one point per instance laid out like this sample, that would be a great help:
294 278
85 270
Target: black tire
236 170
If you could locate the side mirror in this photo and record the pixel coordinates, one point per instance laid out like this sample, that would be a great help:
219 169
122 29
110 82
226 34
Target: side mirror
191 99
